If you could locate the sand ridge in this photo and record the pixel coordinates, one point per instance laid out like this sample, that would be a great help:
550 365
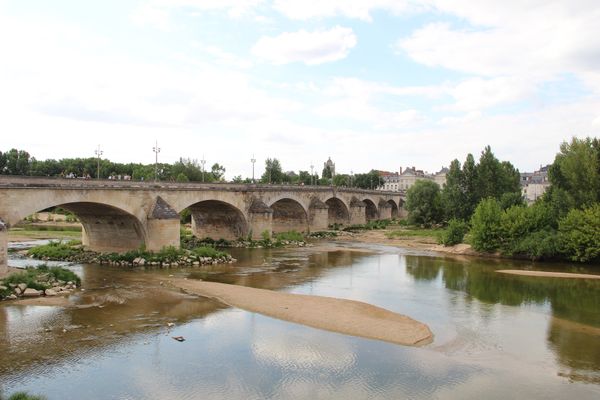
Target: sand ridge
332 314
548 274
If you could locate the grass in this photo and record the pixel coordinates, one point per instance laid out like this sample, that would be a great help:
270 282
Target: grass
291 236
38 234
31 277
208 252
414 232
55 250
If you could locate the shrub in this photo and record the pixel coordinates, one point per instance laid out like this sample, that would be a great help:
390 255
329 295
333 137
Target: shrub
538 245
485 226
454 233
580 234
23 396
54 251
424 203
208 252
291 236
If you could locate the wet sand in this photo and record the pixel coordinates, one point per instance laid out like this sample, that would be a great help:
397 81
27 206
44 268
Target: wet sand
547 274
337 315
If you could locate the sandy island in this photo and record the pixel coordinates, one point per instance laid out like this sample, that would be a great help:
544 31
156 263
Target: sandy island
547 274
337 315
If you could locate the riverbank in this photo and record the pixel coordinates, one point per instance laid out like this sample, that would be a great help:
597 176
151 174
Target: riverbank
332 314
426 243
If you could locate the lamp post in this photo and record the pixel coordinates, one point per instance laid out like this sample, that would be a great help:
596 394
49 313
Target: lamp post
312 175
253 160
203 162
98 153
156 150
351 177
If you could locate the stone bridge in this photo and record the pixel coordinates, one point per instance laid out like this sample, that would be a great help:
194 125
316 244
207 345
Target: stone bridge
123 215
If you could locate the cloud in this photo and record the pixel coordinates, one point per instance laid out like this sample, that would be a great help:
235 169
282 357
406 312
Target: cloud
311 48
357 9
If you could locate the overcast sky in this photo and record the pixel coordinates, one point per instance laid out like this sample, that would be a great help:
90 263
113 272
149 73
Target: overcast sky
371 83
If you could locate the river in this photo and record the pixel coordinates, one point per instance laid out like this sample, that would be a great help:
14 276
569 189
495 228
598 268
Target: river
496 336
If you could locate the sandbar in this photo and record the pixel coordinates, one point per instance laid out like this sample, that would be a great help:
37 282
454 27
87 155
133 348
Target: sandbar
332 314
548 274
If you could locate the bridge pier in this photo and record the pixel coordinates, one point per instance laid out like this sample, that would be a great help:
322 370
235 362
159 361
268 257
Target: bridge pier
318 216
385 211
260 219
358 213
162 227
3 248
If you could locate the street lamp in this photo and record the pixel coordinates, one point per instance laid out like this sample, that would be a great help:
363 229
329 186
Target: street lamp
203 162
351 177
156 150
98 153
253 160
312 175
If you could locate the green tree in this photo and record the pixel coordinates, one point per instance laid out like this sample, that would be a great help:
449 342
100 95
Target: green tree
576 172
326 172
580 234
494 178
486 230
217 172
273 171
424 203
453 194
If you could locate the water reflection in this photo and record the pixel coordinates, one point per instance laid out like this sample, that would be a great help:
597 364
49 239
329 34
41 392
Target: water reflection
496 336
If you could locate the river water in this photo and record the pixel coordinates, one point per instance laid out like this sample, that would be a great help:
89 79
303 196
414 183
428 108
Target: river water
496 336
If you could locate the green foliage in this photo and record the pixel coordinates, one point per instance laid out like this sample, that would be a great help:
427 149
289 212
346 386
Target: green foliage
54 251
265 235
543 244
182 178
466 187
580 234
576 171
31 277
485 226
424 203
413 232
291 236
185 216
371 225
370 180
23 396
454 233
208 252
273 172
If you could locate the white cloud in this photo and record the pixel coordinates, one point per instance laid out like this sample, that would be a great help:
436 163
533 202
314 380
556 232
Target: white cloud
311 48
358 9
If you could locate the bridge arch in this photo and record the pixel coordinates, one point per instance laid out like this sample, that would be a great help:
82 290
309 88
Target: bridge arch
338 212
371 212
105 228
289 215
218 220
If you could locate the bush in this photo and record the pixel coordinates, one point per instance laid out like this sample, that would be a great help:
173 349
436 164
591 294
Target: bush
424 203
454 233
538 245
23 396
208 252
55 251
580 234
291 236
30 277
486 226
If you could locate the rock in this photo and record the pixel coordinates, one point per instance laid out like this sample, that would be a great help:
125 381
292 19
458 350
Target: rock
18 291
12 297
142 262
3 288
12 285
29 292
196 263
22 286
49 292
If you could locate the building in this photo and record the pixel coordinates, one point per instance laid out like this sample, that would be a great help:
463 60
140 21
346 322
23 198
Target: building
403 180
331 165
534 184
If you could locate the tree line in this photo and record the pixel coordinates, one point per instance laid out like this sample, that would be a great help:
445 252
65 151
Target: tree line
20 162
484 200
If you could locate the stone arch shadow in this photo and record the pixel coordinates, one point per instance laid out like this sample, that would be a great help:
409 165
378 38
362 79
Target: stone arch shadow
371 212
289 215
338 212
218 220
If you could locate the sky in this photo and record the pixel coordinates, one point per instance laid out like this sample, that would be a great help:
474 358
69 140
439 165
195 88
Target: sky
373 84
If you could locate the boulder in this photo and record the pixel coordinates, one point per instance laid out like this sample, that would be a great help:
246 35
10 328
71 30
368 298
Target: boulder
3 288
18 291
49 292
22 286
12 297
29 292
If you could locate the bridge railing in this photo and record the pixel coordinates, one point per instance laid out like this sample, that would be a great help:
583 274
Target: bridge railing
11 181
